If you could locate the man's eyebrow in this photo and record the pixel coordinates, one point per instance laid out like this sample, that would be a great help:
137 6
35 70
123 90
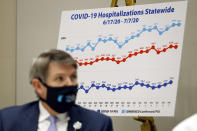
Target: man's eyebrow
59 74
74 73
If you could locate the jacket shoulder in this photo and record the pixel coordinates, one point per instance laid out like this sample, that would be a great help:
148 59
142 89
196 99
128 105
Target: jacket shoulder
16 113
17 117
13 118
17 109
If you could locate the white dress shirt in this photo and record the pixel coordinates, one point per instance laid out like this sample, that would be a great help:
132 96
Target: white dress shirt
189 124
44 123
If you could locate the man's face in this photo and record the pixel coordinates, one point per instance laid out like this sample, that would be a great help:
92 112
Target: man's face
60 75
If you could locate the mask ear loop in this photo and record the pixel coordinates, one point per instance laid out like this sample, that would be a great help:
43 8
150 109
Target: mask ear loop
43 82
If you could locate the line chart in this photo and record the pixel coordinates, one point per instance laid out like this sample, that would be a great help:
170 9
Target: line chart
109 87
128 59
119 44
130 54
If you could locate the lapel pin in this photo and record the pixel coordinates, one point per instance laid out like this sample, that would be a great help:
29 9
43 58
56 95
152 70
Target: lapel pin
77 125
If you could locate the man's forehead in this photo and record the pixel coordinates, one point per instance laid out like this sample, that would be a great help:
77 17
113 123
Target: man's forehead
65 65
61 67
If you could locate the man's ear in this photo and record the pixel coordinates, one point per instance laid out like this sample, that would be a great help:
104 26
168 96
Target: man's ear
38 86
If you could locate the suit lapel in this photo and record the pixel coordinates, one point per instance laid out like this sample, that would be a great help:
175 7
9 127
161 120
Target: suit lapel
31 115
30 118
75 116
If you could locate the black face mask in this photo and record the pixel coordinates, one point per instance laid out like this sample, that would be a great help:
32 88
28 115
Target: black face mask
60 99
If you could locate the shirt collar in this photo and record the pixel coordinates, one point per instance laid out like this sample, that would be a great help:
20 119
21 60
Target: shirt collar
44 114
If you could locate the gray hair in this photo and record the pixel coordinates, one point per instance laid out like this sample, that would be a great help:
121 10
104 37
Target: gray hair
39 68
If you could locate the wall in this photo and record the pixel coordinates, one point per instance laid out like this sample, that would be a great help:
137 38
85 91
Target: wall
37 30
7 52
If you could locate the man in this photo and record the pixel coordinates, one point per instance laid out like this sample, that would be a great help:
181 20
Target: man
54 78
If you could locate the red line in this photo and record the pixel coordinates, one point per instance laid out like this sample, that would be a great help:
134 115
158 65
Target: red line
128 56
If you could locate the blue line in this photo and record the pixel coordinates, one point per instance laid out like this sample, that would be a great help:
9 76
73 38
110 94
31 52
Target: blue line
130 87
121 44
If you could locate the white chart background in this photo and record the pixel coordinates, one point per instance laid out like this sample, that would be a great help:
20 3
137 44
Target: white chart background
148 68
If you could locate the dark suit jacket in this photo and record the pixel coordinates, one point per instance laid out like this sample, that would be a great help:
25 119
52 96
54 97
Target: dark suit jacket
25 118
